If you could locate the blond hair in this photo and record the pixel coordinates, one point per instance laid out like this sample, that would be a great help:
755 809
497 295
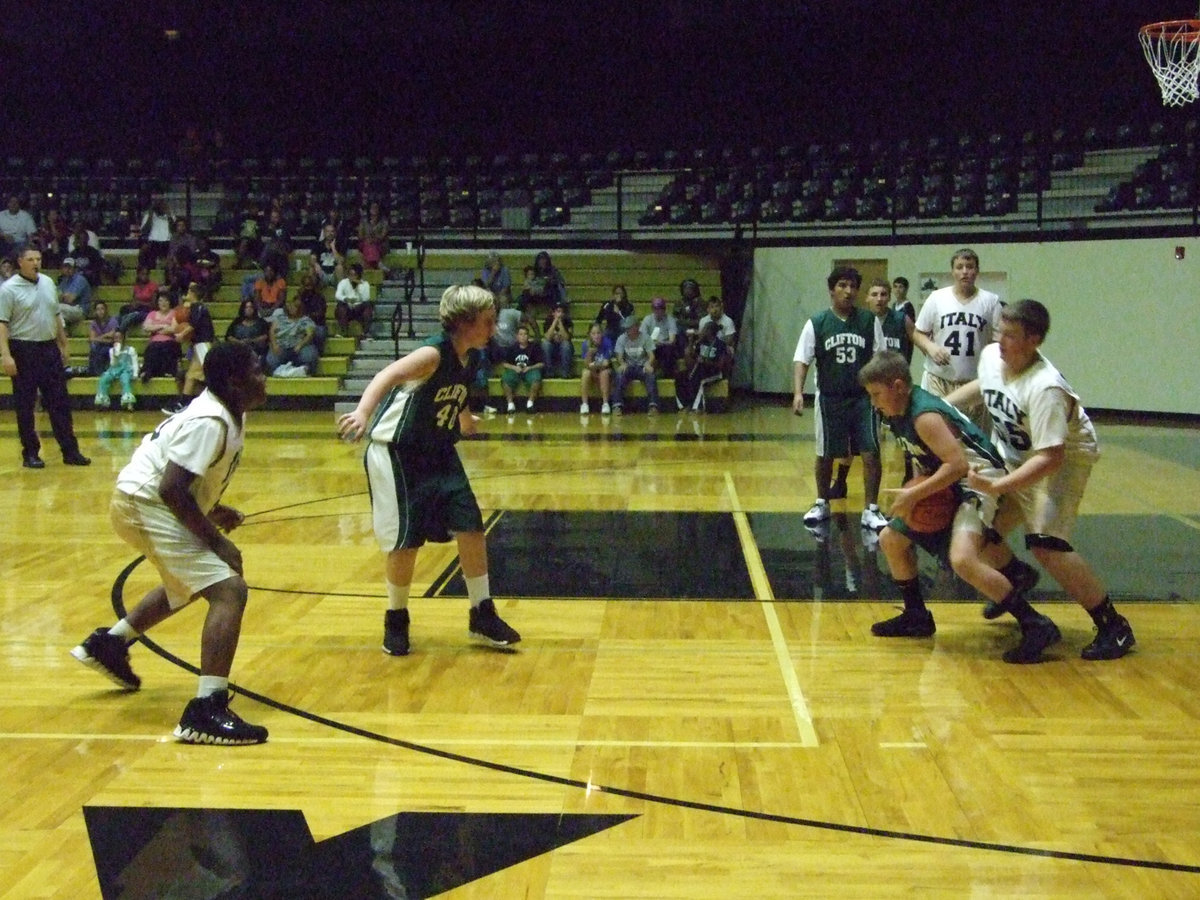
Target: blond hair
462 303
885 367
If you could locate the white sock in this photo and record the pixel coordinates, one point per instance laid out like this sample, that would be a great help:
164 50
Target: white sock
397 596
210 684
125 631
478 589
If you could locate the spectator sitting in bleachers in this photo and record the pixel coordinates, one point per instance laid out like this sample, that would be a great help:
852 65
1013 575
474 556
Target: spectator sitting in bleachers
523 365
277 242
181 250
688 311
141 300
596 353
633 360
342 230
558 347
197 330
250 328
353 296
291 339
725 326
708 360
74 293
329 259
373 236
249 240
544 286
204 271
103 332
494 276
79 231
53 235
270 290
508 320
660 326
122 365
6 268
83 247
162 351
614 311
16 228
315 306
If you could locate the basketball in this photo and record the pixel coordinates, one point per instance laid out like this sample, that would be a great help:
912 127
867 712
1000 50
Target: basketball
933 513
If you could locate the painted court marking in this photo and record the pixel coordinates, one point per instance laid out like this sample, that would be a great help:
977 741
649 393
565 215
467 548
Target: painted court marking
763 593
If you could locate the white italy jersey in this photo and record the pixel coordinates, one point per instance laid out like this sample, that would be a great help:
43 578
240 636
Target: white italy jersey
962 328
205 439
1033 411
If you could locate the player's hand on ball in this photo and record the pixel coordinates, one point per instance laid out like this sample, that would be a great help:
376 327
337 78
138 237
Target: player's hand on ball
928 514
902 501
980 483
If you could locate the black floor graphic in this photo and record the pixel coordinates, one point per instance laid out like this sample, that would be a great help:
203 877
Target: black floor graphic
211 853
633 555
1137 558
623 555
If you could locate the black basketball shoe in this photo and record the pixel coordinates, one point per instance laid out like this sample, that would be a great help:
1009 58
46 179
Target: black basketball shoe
395 632
916 623
209 720
1111 642
485 624
1036 635
108 655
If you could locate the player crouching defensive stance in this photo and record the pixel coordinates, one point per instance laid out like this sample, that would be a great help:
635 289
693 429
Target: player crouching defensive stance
413 412
945 445
167 506
1049 447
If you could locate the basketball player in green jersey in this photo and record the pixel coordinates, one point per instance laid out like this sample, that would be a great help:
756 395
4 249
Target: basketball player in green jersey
413 413
945 445
840 340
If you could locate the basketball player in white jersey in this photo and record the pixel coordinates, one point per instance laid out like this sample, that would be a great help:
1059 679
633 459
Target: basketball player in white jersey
953 327
1049 447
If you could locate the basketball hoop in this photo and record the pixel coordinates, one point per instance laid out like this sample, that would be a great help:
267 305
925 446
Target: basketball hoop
1173 51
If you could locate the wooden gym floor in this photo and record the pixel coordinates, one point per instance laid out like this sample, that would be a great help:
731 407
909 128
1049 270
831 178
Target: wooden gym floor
697 708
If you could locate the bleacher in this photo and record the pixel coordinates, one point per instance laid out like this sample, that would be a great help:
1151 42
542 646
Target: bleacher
1125 176
995 181
590 278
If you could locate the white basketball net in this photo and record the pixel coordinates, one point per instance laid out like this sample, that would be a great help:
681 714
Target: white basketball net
1173 51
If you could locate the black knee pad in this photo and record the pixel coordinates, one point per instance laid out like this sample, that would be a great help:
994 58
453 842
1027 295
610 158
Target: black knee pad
1047 542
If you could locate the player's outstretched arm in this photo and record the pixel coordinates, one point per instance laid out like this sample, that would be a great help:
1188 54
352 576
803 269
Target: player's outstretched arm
965 396
418 364
1038 466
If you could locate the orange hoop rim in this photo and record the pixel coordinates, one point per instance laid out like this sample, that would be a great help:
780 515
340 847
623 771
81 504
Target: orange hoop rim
1183 30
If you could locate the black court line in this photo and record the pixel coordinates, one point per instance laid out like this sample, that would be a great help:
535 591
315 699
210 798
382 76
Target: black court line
861 830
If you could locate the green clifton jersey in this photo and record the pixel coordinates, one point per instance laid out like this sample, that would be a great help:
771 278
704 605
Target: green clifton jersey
895 335
842 348
980 451
424 414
